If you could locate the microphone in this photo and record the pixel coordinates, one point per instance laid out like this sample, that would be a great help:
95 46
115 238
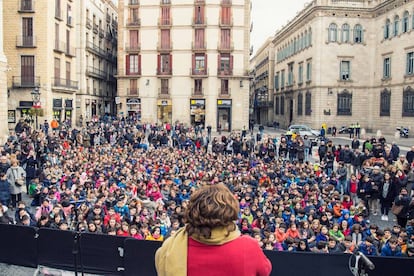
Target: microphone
367 262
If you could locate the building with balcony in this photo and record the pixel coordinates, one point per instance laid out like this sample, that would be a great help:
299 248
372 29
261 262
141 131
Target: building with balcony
340 62
262 69
97 37
184 60
41 50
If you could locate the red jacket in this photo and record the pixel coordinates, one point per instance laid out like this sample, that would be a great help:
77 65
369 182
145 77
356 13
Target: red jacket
242 257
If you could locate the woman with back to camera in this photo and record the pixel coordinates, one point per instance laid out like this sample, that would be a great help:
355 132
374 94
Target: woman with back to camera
210 243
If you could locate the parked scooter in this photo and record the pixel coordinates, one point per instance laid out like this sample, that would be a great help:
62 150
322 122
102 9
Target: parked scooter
343 130
403 131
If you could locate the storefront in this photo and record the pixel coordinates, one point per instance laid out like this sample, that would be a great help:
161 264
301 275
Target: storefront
164 111
198 112
57 109
134 108
68 110
224 114
25 107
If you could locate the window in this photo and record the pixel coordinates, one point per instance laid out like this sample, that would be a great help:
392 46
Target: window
68 74
133 87
309 71
224 87
310 37
344 106
198 87
387 68
305 41
345 68
57 9
408 102
300 104
225 39
282 105
385 103
290 74
200 66
387 29
358 33
396 25
165 63
345 33
300 73
282 80
225 64
277 81
27 71
27 32
165 16
410 63
164 87
405 20
277 105
199 15
165 39
308 103
332 33
199 38
132 64
134 39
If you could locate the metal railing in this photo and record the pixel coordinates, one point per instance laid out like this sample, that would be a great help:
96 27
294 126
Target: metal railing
164 91
199 71
132 91
198 46
164 47
26 41
225 47
66 83
70 51
133 48
60 46
224 92
95 72
224 72
134 22
25 81
164 72
197 92
133 2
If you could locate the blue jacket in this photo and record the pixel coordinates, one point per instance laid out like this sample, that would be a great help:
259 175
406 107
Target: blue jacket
386 251
368 250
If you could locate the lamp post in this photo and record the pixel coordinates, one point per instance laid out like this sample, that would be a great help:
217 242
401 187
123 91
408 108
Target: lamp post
36 102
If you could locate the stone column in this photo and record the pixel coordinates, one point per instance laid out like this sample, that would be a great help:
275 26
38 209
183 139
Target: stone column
4 130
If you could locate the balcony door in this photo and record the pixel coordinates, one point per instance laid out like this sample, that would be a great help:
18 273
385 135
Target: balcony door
27 70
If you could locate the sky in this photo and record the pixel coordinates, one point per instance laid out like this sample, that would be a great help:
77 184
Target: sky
269 16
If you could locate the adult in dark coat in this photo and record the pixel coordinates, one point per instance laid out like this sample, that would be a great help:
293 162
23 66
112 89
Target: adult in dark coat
403 199
4 189
31 168
387 193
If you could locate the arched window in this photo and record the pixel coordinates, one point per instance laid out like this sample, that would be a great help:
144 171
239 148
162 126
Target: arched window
358 33
387 29
332 33
405 21
300 104
301 42
408 102
345 33
308 103
396 24
310 37
385 102
344 106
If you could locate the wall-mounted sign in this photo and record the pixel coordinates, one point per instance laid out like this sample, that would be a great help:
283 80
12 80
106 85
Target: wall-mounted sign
11 116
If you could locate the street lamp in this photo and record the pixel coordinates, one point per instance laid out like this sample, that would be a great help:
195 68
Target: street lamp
36 102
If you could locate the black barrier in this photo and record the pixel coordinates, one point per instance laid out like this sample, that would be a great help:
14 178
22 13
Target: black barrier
18 245
309 264
55 249
139 257
100 254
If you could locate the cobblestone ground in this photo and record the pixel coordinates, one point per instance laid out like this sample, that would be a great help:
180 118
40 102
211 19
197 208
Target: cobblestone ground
14 270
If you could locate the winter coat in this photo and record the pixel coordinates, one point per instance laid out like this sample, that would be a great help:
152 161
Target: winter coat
12 174
4 191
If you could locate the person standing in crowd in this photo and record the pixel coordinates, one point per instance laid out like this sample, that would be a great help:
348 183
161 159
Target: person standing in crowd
403 199
4 190
211 237
16 176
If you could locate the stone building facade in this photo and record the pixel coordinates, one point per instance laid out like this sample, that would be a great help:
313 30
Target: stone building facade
45 47
346 61
184 60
